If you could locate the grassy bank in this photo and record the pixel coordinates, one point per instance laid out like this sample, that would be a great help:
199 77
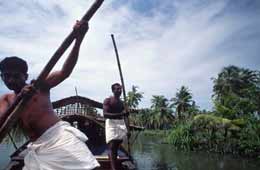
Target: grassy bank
216 134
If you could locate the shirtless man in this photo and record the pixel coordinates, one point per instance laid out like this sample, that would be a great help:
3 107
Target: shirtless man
54 143
116 131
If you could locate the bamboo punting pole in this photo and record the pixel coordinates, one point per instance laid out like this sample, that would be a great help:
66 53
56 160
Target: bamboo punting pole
124 92
20 102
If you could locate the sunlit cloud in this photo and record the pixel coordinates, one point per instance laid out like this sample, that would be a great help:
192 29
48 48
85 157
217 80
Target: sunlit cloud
162 44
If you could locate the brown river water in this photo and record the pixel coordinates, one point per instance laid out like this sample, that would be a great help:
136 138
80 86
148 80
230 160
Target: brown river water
150 154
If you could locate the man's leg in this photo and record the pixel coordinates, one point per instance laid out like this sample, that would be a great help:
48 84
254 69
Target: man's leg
111 155
113 146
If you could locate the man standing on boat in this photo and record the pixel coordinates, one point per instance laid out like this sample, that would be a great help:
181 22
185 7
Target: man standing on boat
116 131
55 145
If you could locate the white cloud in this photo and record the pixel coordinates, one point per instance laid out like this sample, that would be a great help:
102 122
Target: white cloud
158 52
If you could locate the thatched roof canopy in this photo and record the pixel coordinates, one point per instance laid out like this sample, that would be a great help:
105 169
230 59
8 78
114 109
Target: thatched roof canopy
77 99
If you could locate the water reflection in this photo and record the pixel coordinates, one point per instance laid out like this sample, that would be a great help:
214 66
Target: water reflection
162 166
6 149
150 154
5 152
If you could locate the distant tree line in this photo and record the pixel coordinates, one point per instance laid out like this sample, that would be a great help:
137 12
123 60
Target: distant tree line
232 126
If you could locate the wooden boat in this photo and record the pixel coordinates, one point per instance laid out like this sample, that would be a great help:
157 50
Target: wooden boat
81 113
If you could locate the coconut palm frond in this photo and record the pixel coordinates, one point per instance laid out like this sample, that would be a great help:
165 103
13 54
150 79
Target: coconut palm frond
17 134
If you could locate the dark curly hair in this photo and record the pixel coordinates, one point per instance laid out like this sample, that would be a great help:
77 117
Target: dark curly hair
13 63
113 85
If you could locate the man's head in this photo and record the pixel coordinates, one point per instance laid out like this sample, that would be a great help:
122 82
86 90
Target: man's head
116 89
14 72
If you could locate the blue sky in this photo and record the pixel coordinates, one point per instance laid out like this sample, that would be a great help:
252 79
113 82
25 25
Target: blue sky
162 44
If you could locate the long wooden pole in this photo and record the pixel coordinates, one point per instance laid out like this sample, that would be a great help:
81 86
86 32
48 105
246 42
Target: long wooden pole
124 92
20 102
66 43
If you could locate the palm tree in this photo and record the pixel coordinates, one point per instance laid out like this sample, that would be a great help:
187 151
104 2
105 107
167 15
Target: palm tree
194 109
160 116
159 102
236 90
234 80
134 97
182 101
142 118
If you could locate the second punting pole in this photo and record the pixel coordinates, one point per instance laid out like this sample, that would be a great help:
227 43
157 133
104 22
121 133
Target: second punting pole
124 93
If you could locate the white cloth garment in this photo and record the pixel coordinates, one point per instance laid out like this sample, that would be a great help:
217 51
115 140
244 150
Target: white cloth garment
60 147
115 129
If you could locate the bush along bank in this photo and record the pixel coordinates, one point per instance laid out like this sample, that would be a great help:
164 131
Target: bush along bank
216 134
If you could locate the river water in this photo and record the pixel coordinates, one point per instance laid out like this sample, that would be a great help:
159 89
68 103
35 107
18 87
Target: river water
5 151
150 154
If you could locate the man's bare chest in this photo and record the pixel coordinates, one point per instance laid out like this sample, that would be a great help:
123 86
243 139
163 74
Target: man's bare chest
116 106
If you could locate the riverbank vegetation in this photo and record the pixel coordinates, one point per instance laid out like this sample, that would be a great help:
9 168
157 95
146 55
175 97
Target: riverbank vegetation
233 125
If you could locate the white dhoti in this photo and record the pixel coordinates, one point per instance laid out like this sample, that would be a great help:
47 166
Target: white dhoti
115 129
60 147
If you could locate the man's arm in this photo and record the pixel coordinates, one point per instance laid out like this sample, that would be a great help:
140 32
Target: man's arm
3 107
108 115
57 77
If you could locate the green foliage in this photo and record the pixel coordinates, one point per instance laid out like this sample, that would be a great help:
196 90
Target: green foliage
236 92
157 133
181 136
160 116
213 133
134 97
234 106
239 122
229 128
183 102
159 101
235 80
213 122
17 134
249 138
140 118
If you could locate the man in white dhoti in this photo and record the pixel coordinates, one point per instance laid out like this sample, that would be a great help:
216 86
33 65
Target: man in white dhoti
116 131
55 145
60 147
